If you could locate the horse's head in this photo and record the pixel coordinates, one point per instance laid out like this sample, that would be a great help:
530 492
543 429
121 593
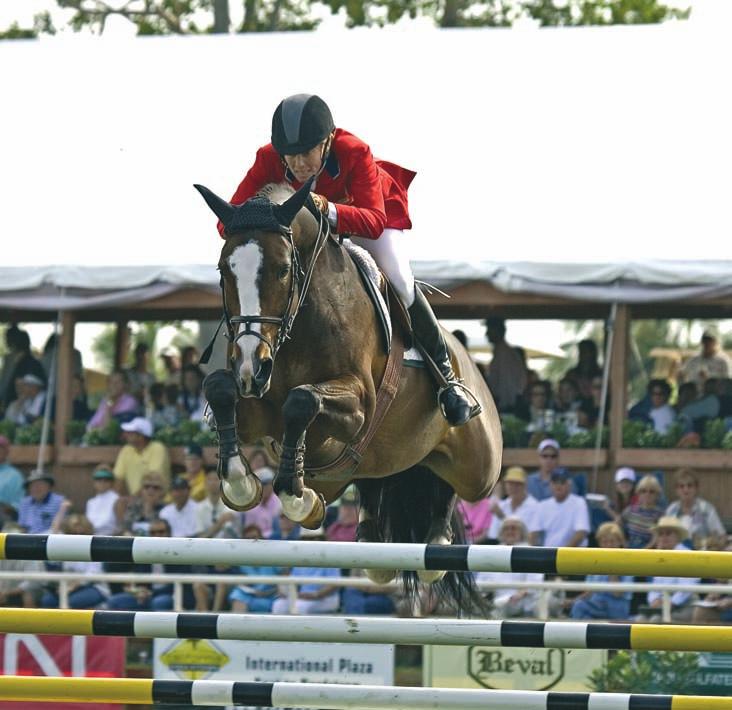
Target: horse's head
261 279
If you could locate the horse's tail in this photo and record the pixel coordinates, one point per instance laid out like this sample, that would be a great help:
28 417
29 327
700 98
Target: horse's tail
404 506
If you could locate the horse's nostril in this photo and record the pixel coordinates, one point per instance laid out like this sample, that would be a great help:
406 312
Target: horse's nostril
264 372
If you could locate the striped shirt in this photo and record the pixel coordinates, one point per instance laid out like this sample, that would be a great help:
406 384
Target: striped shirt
36 517
637 523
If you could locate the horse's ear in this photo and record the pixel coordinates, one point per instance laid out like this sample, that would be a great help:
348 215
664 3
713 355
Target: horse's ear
287 211
221 208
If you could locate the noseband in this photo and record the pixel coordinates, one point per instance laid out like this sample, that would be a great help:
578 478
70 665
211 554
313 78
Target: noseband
299 286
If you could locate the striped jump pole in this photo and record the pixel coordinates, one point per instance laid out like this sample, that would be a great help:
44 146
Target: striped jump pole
132 691
345 629
404 556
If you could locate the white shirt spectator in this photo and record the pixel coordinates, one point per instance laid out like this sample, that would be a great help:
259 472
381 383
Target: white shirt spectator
100 511
560 521
503 598
525 513
183 522
662 417
677 598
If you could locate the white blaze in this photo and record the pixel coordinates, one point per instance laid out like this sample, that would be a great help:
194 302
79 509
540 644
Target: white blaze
245 262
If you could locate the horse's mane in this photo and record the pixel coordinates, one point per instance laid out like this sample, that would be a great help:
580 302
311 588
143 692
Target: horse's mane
277 192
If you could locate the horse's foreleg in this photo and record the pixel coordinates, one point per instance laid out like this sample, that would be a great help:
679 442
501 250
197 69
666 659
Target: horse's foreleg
337 401
439 533
240 488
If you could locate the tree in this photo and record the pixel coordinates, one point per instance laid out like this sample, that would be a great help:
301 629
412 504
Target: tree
155 17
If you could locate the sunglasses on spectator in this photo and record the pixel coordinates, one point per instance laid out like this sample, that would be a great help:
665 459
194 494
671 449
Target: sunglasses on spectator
549 456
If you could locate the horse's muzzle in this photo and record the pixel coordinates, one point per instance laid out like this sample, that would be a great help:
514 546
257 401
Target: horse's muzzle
257 385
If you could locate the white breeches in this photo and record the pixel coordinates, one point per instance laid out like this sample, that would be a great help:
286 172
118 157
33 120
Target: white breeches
390 252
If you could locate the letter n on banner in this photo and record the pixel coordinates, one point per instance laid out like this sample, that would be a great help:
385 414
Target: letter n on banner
59 656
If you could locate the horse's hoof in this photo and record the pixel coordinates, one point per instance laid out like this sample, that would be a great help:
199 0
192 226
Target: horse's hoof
308 510
430 576
235 497
317 516
381 576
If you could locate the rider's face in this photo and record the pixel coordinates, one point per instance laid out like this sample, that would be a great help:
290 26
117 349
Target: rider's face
304 165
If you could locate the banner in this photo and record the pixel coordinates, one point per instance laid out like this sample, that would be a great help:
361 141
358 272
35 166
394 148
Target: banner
507 668
57 656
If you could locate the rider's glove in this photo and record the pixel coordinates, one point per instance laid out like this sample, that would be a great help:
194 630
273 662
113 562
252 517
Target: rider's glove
320 202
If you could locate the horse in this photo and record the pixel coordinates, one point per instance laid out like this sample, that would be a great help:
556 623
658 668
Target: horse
306 362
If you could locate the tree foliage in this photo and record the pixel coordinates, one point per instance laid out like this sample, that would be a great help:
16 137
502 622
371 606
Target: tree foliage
162 17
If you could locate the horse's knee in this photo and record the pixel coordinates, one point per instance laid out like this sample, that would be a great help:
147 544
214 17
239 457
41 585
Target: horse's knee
301 406
221 393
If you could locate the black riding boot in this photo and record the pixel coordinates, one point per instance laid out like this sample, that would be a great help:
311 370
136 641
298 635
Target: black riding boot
456 406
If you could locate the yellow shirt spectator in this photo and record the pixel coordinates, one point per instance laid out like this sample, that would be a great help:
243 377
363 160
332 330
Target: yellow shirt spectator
140 455
195 474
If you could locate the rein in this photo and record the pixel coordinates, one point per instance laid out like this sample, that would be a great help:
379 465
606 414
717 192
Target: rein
299 286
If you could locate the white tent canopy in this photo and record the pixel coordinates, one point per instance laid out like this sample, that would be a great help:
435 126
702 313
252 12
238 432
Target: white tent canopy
595 144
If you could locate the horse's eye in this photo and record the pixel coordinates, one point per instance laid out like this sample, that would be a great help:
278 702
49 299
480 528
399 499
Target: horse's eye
283 273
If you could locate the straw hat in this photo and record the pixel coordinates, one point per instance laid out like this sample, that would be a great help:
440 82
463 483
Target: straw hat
516 474
669 522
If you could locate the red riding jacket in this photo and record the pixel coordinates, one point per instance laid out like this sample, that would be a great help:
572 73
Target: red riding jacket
369 195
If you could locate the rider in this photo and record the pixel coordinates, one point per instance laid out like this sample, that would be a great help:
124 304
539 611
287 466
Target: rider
361 197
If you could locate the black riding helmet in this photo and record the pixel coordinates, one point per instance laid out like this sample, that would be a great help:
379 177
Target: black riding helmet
299 123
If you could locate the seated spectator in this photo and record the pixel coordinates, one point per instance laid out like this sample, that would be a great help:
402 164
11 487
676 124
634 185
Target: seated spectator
136 513
661 413
538 484
540 411
139 379
605 605
710 363
214 518
82 594
476 519
118 404
344 527
254 598
157 596
587 368
270 507
80 411
640 517
714 608
312 598
182 513
511 603
29 404
568 396
39 508
13 354
669 533
517 504
191 400
194 472
20 592
100 509
686 394
697 515
624 494
562 520
139 455
11 483
374 599
23 363
162 408
694 415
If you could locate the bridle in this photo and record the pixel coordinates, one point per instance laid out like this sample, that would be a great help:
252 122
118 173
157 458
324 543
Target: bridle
300 280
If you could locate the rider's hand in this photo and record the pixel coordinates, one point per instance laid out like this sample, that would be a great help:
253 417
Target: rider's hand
320 202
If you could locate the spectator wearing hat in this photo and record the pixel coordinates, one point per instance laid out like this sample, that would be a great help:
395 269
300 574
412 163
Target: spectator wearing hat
640 517
41 506
512 602
669 534
696 514
517 503
311 598
11 482
343 528
562 520
118 403
100 508
538 484
605 605
267 513
506 374
195 473
136 512
625 479
28 406
182 513
710 363
139 455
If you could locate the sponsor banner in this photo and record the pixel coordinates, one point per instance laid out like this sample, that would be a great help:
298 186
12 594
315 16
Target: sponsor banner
715 674
554 669
272 661
57 656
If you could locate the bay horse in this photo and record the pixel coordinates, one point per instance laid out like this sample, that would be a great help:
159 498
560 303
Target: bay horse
306 362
